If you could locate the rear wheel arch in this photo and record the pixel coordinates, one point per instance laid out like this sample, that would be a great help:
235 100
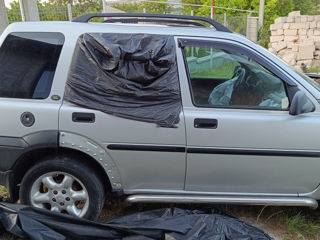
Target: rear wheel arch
31 158
97 152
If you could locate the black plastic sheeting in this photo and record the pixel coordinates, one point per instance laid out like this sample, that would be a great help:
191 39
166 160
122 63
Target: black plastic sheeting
133 76
168 223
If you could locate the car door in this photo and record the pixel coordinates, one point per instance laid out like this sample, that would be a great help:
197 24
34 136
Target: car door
28 62
145 156
240 135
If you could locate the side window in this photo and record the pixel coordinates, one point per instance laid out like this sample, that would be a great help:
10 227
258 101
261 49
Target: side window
220 77
27 64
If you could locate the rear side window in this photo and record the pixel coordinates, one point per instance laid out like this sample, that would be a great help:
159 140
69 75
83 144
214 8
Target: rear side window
27 64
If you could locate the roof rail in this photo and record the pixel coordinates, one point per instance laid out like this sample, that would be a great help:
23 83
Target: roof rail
153 20
218 26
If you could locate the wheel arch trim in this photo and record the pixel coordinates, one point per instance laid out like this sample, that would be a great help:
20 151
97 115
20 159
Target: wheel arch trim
92 149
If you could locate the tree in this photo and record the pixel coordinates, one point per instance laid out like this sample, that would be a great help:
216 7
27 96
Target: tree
205 11
14 14
273 9
305 6
57 9
74 2
276 8
157 7
149 6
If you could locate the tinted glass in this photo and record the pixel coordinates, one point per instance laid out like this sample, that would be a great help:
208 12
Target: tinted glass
27 64
225 78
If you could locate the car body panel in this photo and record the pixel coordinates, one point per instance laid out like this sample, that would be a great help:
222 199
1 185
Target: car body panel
138 169
172 172
250 148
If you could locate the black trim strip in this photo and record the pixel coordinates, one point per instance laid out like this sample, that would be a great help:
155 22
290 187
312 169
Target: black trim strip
199 150
12 148
153 148
254 152
13 142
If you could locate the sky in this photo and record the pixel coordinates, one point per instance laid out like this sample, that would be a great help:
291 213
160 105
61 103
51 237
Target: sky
7 2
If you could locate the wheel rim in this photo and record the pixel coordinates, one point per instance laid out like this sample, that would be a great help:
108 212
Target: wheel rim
60 192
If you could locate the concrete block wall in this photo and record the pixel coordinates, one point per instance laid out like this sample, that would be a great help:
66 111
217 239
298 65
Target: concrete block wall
296 39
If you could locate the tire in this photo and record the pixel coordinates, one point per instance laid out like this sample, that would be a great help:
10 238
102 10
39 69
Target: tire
63 184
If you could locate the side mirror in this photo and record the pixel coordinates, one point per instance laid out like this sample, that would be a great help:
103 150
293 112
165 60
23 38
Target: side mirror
301 104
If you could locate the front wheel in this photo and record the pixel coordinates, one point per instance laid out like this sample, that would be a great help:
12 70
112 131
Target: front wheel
63 184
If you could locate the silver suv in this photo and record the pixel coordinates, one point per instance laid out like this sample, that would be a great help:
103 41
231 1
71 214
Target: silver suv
174 109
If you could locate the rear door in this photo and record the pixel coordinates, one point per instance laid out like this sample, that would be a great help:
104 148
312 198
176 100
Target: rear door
28 62
147 156
240 135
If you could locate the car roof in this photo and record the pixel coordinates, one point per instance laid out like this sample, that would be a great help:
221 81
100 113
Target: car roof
76 28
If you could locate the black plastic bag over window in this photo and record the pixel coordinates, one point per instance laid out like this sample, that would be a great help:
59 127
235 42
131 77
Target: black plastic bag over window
133 76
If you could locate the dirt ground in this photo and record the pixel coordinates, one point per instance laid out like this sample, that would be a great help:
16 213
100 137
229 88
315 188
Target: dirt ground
281 223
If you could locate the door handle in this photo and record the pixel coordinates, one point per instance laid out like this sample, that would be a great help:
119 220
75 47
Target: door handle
83 117
205 123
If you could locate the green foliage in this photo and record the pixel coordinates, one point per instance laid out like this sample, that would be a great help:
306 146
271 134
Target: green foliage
205 11
315 67
57 10
157 7
79 7
264 36
14 14
276 8
129 7
300 227
91 3
273 9
149 6
305 6
52 12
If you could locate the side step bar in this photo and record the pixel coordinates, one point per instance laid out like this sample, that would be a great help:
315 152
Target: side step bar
272 201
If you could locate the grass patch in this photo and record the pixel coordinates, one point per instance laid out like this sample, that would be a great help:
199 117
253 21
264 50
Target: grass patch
282 223
300 226
314 69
